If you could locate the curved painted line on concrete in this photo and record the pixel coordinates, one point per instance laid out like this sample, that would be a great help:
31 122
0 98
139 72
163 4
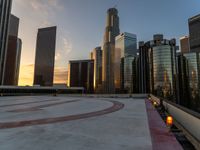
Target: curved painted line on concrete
18 104
115 107
35 108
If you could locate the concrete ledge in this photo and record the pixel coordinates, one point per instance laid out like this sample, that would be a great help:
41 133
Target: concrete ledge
139 96
187 119
162 138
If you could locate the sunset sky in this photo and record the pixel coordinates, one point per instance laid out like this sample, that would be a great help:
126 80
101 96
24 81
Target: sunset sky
81 26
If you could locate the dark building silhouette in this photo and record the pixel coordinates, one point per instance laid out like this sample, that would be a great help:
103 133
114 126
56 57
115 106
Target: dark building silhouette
194 30
122 75
13 54
111 31
183 84
193 74
144 68
81 74
5 9
45 56
13 25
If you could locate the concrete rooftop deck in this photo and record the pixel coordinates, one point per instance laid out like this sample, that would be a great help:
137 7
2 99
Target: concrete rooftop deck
81 123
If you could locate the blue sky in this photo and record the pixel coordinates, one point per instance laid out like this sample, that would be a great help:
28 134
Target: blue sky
81 25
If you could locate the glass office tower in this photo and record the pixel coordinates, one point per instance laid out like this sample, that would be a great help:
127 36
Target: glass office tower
111 31
193 74
163 70
45 56
128 73
158 60
164 67
125 47
5 9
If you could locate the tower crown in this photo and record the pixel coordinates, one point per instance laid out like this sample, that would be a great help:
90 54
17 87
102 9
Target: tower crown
112 11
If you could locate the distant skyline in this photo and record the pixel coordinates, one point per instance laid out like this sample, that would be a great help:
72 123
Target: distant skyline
81 25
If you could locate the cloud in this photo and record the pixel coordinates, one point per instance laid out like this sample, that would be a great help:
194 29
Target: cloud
42 7
67 45
63 50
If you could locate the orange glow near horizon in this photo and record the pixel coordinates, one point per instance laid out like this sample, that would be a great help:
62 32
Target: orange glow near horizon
27 73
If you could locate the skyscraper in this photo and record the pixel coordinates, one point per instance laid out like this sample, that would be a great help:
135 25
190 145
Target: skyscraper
183 84
129 73
185 44
194 30
5 9
13 54
97 57
164 67
125 47
13 26
45 56
81 74
111 31
158 61
127 43
193 74
144 68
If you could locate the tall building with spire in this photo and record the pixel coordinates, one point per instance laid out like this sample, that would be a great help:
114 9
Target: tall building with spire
111 31
5 9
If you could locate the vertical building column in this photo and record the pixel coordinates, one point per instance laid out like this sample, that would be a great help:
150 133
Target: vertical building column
5 9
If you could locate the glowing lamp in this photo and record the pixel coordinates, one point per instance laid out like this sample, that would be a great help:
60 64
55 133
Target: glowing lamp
169 121
155 103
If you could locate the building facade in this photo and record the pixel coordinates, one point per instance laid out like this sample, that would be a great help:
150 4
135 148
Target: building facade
125 47
158 60
164 70
183 84
185 44
129 74
193 74
127 43
144 68
13 54
111 31
13 58
45 56
5 9
96 55
81 74
194 30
